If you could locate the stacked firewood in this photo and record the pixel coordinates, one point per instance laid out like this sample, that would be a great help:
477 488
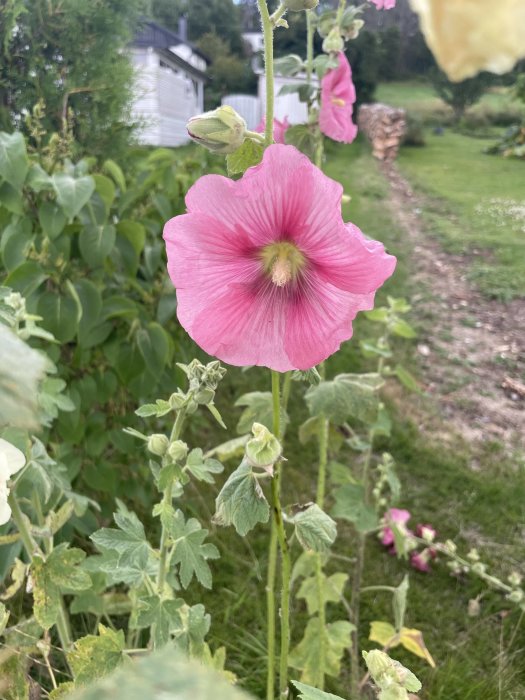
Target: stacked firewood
384 126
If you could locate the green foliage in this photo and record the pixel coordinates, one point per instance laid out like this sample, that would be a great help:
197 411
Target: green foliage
305 656
350 504
241 501
250 153
344 396
332 588
69 52
163 675
163 615
189 551
95 656
314 529
461 95
307 692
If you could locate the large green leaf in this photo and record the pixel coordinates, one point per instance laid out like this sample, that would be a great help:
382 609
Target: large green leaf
72 192
96 242
129 541
241 501
305 656
314 529
308 692
164 615
59 315
347 395
258 409
94 656
250 153
332 590
350 505
52 219
13 158
190 552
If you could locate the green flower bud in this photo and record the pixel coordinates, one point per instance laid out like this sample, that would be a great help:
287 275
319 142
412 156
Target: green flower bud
158 444
176 401
479 568
205 396
326 23
450 547
221 131
515 579
263 449
516 596
178 451
298 5
351 30
473 555
334 42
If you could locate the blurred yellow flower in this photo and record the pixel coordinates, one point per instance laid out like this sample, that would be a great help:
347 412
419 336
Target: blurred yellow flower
469 36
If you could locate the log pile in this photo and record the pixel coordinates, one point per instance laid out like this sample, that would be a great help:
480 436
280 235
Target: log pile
384 127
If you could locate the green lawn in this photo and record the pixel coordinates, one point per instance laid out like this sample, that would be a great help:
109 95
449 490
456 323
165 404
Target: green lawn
476 206
438 487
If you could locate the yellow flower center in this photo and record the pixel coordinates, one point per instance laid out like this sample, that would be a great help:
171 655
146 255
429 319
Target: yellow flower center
282 262
338 101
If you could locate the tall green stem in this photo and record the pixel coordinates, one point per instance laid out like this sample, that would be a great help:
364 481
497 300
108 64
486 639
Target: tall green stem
31 547
267 27
166 501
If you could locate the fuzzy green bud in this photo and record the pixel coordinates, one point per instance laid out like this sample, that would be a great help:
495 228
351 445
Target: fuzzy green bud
158 444
263 450
334 42
479 568
298 5
205 396
351 29
516 596
450 547
515 579
221 131
473 555
176 401
178 451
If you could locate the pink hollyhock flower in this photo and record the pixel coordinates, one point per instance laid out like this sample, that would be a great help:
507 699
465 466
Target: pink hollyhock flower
384 4
266 271
421 560
337 103
426 532
400 518
279 129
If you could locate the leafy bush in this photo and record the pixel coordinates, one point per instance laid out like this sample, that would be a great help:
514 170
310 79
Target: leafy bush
85 248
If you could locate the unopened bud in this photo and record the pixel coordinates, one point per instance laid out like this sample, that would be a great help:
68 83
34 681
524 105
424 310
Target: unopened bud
479 568
298 5
516 596
334 42
473 555
205 396
515 579
221 131
263 450
158 444
450 547
351 30
176 401
178 451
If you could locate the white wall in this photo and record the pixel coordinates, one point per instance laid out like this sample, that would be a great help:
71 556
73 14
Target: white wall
285 105
165 99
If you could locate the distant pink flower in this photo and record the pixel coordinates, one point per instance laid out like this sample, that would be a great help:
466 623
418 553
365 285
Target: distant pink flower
279 128
426 532
421 560
337 103
384 4
400 518
266 271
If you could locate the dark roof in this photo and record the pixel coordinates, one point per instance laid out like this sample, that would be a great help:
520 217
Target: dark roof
150 33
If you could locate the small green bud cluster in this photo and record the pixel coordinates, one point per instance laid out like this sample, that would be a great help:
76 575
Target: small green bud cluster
221 131
158 444
384 468
391 677
203 381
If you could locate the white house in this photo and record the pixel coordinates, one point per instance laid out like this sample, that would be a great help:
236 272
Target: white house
169 85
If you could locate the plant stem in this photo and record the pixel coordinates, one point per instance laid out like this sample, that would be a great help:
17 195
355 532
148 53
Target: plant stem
279 12
358 575
309 46
270 612
31 547
166 501
286 568
267 28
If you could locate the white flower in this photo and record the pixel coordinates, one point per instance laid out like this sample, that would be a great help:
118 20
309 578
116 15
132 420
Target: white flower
11 461
468 36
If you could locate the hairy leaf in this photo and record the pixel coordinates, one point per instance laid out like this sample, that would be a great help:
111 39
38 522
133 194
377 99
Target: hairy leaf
190 552
249 154
241 501
350 505
332 589
346 395
94 656
315 529
305 656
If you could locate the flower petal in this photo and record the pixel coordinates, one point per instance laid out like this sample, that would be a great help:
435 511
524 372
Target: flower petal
319 320
14 458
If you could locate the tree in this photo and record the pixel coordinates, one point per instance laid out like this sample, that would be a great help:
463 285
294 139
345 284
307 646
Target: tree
220 17
69 56
461 95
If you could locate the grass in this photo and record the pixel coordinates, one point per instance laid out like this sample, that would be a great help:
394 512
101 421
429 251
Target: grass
438 487
476 207
497 106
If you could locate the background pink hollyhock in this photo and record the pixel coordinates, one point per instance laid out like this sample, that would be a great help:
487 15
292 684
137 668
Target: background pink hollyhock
279 128
421 560
337 103
266 271
394 515
384 4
